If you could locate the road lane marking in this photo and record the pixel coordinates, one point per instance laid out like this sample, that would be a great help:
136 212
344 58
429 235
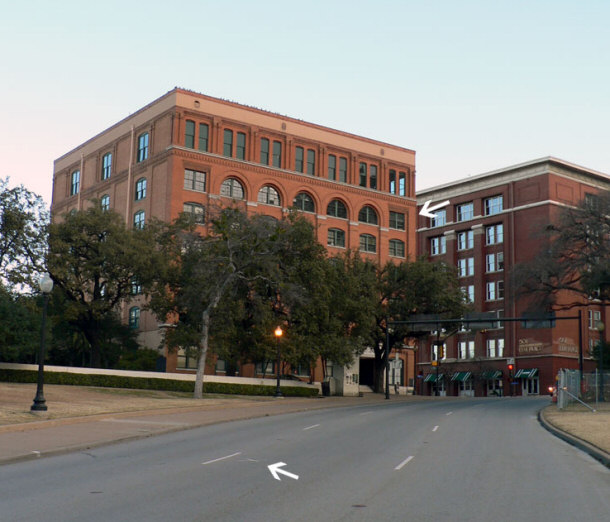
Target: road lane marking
449 413
435 428
221 458
366 412
403 463
310 427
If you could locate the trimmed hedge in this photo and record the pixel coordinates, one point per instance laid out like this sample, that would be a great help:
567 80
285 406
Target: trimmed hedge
150 383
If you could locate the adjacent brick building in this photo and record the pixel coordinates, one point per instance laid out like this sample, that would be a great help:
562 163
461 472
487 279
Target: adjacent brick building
492 222
186 151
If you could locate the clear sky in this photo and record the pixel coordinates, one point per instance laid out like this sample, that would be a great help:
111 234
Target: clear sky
470 85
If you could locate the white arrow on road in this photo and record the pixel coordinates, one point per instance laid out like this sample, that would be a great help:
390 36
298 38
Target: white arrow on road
428 211
275 470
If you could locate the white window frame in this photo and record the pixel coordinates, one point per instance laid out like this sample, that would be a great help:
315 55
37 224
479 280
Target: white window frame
465 240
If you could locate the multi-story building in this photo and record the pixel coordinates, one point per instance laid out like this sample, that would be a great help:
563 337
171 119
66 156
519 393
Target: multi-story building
492 222
186 152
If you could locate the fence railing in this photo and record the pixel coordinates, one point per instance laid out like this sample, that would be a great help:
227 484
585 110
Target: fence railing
592 389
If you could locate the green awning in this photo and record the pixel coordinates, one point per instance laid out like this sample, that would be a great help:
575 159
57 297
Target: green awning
461 376
528 373
431 377
491 375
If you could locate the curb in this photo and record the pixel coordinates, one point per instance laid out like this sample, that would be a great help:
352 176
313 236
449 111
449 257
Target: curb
597 453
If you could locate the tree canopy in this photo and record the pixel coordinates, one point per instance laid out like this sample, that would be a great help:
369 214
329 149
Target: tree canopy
96 263
574 259
23 237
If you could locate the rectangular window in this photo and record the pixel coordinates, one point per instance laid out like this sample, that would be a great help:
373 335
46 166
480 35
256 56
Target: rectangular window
311 162
397 248
373 176
468 292
194 180
465 240
464 212
594 319
494 290
397 220
392 182
362 174
227 149
277 154
494 234
240 147
142 147
466 267
343 170
298 159
189 134
187 359
204 131
465 349
495 348
435 352
402 184
264 151
490 263
75 183
106 165
439 219
438 245
493 205
332 167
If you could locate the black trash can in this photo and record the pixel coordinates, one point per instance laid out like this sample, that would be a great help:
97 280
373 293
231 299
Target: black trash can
326 388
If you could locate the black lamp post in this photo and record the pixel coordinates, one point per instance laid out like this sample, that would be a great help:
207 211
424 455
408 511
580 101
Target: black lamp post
600 362
46 286
278 334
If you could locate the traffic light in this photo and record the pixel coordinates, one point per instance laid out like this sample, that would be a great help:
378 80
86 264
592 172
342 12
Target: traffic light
511 367
441 352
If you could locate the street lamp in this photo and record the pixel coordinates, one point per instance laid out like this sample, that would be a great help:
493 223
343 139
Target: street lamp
46 286
278 334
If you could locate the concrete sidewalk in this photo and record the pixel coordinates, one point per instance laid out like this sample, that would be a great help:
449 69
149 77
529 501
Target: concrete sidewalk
53 436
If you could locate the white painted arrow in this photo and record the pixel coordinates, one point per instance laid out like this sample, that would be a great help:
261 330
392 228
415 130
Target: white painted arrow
428 211
275 470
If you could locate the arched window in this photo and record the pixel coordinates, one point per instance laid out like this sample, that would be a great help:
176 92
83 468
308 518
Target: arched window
106 165
138 219
105 202
367 215
336 237
304 202
368 243
142 147
134 317
140 189
397 248
196 211
231 188
269 196
336 208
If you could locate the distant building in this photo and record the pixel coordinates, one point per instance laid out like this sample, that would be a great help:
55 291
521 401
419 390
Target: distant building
185 152
490 225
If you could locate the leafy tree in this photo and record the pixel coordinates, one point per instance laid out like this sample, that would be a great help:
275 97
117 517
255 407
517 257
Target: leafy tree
238 248
407 289
23 237
94 260
20 317
574 259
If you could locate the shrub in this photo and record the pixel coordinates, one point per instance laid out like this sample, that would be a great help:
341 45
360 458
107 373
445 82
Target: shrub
150 383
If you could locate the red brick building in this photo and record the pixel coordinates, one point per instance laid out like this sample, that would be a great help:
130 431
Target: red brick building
187 151
490 224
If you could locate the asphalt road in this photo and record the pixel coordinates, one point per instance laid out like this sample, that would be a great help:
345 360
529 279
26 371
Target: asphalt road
453 460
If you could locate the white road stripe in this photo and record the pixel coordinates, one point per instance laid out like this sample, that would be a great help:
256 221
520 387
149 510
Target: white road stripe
310 427
435 428
403 463
449 413
221 458
365 413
